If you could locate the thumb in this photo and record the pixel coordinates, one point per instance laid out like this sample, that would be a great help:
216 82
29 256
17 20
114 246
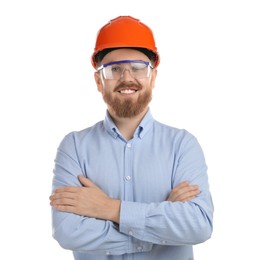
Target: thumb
86 182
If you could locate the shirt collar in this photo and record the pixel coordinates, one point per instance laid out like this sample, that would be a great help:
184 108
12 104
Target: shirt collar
110 125
144 126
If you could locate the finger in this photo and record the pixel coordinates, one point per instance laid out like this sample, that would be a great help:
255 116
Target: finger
62 195
187 195
183 193
177 190
66 208
181 185
186 189
62 202
72 189
86 182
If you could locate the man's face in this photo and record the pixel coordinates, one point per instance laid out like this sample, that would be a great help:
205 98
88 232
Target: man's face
126 97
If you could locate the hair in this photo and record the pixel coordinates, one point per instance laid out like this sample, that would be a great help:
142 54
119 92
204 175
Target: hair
100 55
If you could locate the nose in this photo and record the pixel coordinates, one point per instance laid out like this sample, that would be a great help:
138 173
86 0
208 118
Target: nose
126 75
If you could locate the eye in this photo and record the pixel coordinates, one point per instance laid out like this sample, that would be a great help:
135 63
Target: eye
135 68
138 67
116 69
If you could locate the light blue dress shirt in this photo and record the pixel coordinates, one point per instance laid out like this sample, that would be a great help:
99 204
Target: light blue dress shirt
141 173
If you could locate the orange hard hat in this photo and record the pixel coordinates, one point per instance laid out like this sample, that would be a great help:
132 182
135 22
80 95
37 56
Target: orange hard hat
125 32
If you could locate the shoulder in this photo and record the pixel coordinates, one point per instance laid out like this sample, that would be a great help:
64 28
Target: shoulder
178 138
171 131
80 135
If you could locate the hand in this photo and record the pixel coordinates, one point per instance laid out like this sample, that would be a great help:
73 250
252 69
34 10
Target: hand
183 192
88 200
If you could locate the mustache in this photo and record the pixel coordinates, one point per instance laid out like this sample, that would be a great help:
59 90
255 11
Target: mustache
122 85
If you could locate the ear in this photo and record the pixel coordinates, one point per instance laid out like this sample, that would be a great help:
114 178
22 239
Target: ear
98 81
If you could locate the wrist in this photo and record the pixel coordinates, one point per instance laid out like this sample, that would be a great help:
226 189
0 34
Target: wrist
113 212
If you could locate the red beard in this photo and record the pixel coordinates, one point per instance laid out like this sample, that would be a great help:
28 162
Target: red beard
126 107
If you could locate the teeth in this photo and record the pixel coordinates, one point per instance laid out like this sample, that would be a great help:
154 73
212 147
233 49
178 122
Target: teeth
127 91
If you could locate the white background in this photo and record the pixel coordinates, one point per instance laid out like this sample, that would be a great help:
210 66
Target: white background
209 82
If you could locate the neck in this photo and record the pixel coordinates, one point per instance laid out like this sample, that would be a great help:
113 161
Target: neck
127 126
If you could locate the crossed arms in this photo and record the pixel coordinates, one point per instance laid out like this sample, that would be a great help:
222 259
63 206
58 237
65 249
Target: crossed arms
86 219
90 201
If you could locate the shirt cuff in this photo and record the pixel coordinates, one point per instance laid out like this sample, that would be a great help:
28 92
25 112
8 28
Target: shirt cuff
132 219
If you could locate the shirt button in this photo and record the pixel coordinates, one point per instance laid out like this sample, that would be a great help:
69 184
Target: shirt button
128 145
139 248
130 232
128 178
108 253
164 241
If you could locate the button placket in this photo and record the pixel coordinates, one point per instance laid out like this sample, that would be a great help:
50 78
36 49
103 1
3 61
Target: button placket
128 168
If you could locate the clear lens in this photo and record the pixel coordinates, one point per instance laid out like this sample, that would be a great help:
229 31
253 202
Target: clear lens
115 70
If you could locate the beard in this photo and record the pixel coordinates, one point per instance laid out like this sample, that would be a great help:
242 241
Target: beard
127 107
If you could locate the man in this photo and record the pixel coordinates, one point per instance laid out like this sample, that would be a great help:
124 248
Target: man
130 187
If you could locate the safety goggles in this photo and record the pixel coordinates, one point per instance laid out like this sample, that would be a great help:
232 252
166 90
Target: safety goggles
115 70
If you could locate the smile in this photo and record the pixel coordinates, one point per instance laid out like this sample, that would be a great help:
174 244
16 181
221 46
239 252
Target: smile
127 91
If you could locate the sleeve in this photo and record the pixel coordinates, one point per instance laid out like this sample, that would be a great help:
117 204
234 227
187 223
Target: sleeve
79 233
175 223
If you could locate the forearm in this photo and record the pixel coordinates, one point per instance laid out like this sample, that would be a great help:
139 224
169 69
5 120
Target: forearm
111 211
81 233
96 232
167 223
91 235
